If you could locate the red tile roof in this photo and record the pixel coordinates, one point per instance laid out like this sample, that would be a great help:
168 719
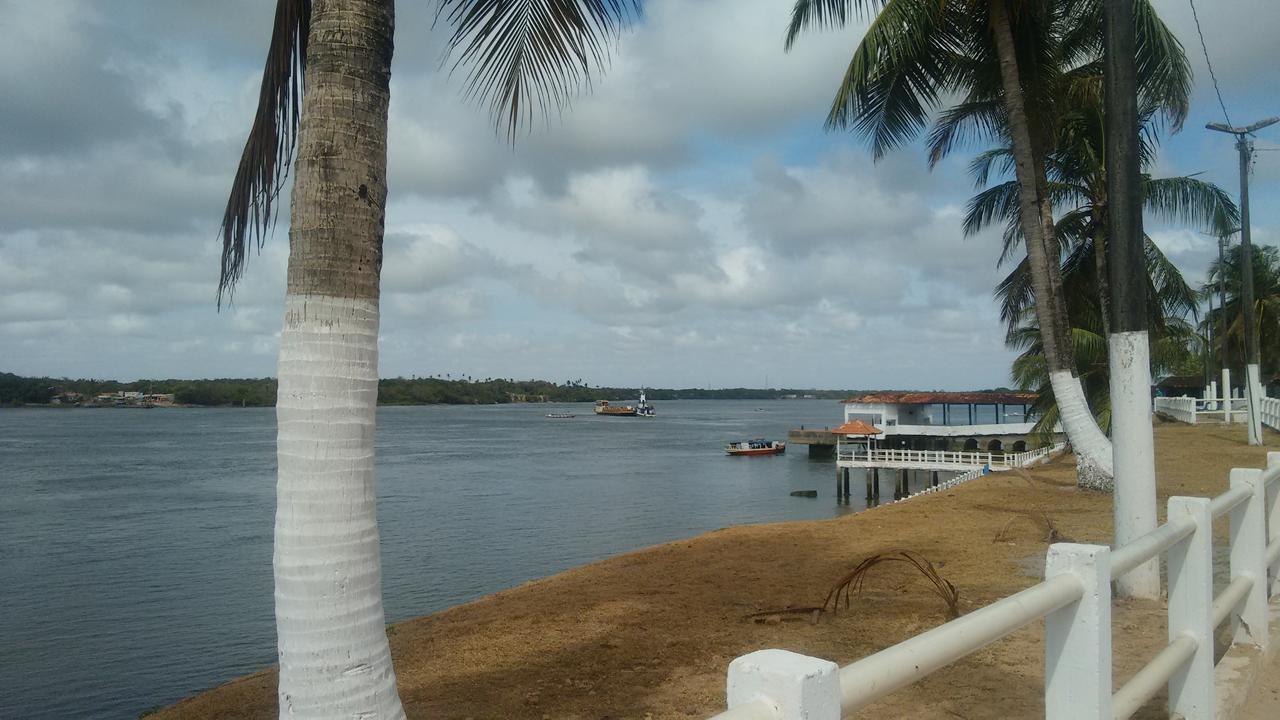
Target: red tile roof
912 397
856 427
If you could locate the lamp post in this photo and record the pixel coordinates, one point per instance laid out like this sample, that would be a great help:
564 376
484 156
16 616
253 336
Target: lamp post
1253 380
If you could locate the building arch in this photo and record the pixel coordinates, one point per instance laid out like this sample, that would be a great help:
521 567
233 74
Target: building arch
1020 446
995 446
971 445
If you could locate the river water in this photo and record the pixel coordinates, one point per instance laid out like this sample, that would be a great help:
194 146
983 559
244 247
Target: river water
135 545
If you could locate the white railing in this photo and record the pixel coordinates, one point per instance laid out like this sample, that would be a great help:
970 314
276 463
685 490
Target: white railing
997 461
1075 602
1019 460
925 457
1191 410
1182 409
1271 412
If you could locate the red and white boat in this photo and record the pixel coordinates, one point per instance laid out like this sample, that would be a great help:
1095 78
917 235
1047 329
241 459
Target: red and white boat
758 446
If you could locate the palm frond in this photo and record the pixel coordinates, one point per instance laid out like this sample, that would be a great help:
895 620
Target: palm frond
1000 159
899 73
531 54
268 153
966 123
1193 202
821 15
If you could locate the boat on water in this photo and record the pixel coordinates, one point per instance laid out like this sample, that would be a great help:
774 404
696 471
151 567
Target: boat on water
604 408
644 409
561 415
640 409
759 446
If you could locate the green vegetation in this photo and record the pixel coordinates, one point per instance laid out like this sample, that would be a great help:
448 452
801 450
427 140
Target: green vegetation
261 392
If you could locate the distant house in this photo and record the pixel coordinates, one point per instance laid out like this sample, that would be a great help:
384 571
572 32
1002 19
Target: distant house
1180 386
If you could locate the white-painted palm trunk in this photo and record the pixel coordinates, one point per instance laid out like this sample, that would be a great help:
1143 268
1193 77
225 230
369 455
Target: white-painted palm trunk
334 658
1092 448
1133 452
1254 394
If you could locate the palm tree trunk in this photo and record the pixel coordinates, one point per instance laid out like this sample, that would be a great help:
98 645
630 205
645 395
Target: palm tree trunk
1093 450
1099 238
334 657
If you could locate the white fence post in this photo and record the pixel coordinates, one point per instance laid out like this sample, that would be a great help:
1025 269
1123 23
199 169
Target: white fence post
1272 520
799 687
1248 558
1077 638
1226 396
1191 693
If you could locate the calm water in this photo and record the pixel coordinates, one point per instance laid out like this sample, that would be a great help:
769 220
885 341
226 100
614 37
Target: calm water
135 545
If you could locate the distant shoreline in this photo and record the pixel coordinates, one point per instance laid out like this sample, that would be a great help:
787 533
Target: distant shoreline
16 390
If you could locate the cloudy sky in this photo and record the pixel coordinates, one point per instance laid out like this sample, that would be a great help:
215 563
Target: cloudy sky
688 224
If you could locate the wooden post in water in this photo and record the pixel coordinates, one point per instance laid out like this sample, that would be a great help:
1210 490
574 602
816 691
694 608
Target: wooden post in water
847 494
838 488
876 485
867 477
935 478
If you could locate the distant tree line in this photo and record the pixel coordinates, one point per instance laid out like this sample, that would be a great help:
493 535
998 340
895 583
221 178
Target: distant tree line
463 390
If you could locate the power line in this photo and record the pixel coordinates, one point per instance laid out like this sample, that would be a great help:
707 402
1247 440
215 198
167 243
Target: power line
1208 62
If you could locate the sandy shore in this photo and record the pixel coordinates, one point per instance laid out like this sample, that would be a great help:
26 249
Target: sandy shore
650 634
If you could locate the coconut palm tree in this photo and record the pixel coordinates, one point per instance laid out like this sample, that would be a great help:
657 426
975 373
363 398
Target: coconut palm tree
1266 303
1006 61
322 110
1078 189
1173 346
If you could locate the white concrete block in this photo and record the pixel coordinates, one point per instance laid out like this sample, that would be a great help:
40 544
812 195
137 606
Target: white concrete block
799 686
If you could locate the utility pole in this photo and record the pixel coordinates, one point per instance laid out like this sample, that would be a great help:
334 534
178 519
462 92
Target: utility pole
1129 351
1253 379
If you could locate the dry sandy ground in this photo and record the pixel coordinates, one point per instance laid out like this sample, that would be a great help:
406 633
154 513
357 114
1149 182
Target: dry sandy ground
650 634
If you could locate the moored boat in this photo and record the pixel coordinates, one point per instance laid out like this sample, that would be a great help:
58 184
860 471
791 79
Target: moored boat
759 446
561 415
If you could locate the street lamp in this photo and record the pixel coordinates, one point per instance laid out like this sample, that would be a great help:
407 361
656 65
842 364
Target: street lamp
1253 381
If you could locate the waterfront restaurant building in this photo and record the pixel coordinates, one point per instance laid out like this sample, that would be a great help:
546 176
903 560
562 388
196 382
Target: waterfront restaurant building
993 422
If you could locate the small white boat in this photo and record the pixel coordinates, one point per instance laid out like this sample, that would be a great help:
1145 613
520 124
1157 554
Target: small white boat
561 415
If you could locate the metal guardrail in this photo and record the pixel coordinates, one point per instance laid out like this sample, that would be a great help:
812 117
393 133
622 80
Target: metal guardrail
1075 602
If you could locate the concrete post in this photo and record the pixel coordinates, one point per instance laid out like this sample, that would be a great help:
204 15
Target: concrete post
1077 638
798 686
1273 520
1213 394
1191 693
1226 396
1248 558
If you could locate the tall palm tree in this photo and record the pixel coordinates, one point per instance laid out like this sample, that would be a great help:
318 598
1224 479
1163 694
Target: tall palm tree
1007 61
1078 189
1229 346
325 89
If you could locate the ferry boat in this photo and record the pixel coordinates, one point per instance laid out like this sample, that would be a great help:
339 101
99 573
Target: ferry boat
758 446
604 408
